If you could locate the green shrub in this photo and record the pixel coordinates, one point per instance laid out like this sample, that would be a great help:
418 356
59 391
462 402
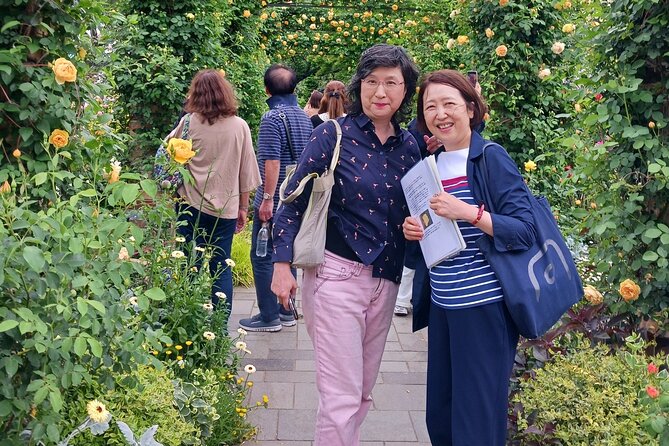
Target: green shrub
242 273
142 406
589 397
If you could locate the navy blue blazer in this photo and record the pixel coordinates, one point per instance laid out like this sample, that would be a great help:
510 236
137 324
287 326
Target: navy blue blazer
513 224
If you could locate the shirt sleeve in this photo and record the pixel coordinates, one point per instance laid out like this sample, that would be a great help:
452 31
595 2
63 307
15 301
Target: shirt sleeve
316 158
513 223
269 138
249 174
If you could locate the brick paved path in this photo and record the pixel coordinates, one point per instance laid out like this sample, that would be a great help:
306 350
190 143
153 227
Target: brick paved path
285 372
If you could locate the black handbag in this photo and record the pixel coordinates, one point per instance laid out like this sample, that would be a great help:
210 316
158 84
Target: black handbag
541 283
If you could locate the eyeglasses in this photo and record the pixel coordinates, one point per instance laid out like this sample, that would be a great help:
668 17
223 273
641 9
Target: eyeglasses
387 85
449 108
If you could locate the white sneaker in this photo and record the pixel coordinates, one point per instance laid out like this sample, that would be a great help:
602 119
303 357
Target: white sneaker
401 311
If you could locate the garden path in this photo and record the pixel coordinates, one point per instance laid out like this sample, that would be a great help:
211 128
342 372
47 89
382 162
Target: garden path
285 372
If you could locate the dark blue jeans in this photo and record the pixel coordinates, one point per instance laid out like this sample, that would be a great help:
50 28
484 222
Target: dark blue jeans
214 233
262 275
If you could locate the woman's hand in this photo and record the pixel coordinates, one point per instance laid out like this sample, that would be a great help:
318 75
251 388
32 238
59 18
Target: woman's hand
412 229
446 205
283 283
432 143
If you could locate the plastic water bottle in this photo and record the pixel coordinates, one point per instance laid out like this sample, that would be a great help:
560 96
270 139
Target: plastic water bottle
261 241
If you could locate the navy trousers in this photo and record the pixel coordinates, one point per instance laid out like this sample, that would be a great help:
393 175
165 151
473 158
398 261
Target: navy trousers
215 233
470 357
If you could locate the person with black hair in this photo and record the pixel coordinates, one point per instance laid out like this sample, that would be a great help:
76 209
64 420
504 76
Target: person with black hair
348 300
284 131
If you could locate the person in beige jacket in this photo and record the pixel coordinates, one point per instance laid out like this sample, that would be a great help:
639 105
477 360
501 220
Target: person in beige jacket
214 206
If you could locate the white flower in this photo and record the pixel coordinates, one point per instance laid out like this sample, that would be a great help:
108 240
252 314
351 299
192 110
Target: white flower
558 47
543 74
230 262
454 13
199 248
181 363
123 253
178 254
242 332
450 44
209 336
180 239
97 412
240 345
132 239
250 369
208 307
220 294
133 301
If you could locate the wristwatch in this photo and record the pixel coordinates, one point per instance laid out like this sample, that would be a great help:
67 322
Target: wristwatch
266 196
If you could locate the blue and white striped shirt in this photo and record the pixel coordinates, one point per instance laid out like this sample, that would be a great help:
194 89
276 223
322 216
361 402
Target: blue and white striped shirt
273 141
466 280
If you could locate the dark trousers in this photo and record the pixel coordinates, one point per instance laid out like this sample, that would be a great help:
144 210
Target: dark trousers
470 357
263 269
215 234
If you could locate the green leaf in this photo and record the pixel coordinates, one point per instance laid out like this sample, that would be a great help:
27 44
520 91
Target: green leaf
650 256
82 306
96 347
8 325
56 399
33 255
657 423
5 408
652 233
149 187
41 394
80 346
155 294
8 25
88 193
130 193
97 305
40 178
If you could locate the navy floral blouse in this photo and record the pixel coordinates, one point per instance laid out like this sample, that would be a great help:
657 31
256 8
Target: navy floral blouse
367 207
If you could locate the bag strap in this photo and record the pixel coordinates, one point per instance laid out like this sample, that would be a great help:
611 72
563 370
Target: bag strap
333 163
484 184
282 115
186 128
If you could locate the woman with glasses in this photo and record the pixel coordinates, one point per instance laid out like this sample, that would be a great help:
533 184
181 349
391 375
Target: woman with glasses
472 339
348 300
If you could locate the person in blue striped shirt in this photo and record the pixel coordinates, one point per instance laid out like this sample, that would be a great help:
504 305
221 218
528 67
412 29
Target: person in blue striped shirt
472 338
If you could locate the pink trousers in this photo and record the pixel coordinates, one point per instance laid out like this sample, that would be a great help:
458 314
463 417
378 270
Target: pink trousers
347 313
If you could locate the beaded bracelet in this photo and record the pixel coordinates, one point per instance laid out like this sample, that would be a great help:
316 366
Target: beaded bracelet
479 214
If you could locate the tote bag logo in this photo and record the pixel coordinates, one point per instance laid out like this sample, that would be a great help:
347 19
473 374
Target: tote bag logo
549 271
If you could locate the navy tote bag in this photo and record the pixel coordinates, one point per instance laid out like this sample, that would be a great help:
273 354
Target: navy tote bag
539 284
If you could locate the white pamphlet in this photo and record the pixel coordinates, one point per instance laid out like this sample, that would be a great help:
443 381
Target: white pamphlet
441 237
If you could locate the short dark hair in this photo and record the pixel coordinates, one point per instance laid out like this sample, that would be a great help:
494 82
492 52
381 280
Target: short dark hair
386 56
280 79
458 81
211 95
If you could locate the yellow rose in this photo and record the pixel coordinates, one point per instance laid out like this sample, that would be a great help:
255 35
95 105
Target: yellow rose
180 150
530 166
5 188
190 16
651 125
568 28
501 50
16 153
64 70
629 290
543 74
592 295
246 13
577 107
82 53
489 33
59 138
395 7
503 2
462 40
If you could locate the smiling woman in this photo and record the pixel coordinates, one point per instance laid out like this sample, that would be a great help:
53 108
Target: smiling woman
348 300
472 340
